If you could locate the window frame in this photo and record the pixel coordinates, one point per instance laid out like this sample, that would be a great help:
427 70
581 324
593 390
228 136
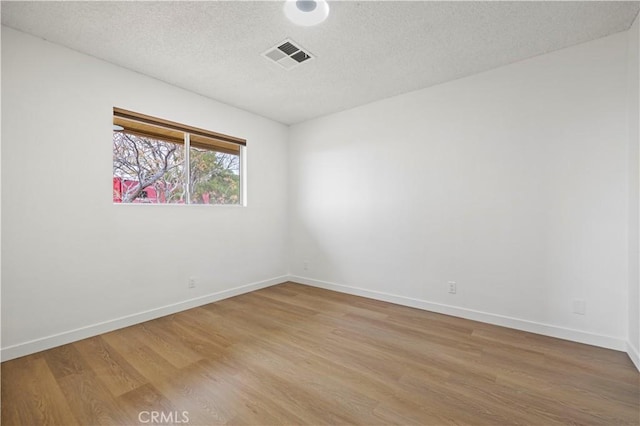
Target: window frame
210 140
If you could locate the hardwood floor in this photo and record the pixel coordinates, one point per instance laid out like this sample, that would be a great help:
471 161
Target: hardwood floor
292 354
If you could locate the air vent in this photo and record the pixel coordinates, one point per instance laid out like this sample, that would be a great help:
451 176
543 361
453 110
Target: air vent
288 48
300 56
288 54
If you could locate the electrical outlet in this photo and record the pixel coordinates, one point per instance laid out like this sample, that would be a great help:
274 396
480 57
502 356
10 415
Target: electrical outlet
452 287
305 265
192 282
579 307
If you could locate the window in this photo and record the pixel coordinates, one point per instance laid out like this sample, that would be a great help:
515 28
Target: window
156 161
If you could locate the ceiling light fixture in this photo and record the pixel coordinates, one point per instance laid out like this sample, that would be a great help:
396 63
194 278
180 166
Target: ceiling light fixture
306 12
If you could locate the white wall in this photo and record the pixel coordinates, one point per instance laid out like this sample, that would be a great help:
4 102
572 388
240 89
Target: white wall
513 183
71 259
633 78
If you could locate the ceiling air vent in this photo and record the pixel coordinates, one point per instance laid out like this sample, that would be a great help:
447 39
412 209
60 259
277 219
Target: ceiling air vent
287 54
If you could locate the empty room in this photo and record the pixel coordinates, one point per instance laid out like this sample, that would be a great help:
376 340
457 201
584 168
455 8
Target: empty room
301 212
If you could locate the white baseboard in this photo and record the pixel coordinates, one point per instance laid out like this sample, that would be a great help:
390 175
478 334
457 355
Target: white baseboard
37 345
634 354
619 344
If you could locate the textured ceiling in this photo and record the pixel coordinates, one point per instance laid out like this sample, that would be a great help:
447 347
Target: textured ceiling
365 51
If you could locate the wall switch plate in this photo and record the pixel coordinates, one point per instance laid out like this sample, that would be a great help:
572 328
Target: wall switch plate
452 287
579 306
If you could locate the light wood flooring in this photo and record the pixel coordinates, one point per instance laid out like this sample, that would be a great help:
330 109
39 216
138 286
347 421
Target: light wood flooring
292 354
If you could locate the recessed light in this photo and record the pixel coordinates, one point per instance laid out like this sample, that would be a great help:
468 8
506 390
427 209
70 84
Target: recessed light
306 12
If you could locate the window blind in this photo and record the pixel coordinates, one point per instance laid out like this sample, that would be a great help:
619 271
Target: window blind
170 131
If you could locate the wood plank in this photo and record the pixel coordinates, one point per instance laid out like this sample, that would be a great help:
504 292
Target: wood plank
90 400
110 367
139 403
32 395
